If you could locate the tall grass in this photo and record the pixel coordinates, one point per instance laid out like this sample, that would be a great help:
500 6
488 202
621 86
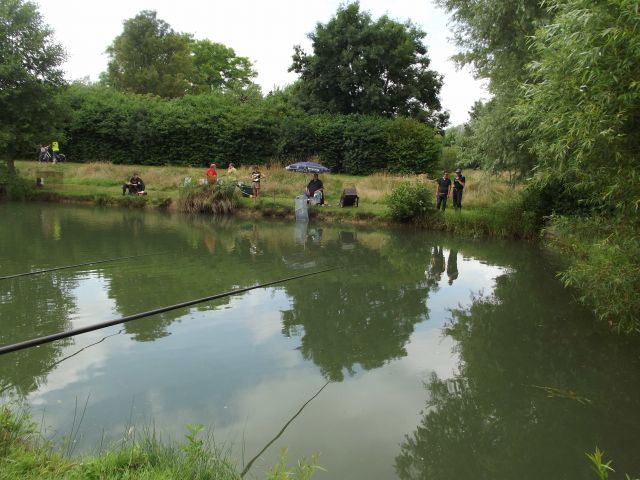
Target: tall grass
215 199
139 455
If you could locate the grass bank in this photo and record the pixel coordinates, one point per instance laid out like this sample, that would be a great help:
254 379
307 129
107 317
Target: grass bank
487 199
25 454
601 255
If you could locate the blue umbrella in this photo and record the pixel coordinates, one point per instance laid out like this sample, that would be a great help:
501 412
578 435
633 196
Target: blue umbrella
307 167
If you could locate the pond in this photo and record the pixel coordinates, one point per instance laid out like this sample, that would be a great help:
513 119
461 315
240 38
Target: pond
420 356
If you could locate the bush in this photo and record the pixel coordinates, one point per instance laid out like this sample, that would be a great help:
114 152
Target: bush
14 187
216 199
410 202
107 125
603 265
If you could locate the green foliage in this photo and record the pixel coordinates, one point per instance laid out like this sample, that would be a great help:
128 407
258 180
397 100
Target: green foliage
149 57
365 145
107 125
217 67
302 471
603 261
413 146
493 139
29 76
364 66
13 186
493 35
216 199
601 468
582 100
411 202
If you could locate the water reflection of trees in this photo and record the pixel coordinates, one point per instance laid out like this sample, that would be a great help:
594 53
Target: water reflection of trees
538 386
362 314
32 306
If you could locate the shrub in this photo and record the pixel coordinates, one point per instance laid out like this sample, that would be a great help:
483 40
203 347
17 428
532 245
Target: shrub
216 199
410 202
14 187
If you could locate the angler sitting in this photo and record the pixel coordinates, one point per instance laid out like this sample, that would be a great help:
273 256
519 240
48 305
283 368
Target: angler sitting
315 190
135 186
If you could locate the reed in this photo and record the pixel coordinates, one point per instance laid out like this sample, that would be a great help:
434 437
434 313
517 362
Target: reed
215 199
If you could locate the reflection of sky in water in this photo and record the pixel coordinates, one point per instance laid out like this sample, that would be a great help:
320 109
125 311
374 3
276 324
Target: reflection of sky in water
232 368
474 277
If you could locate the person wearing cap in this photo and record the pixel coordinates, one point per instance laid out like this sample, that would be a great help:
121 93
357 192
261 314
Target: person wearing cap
458 186
212 175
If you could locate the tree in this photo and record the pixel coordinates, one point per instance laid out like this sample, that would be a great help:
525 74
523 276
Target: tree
371 67
494 37
582 100
217 67
149 57
30 75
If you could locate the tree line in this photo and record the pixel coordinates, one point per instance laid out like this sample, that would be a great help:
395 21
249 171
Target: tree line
366 99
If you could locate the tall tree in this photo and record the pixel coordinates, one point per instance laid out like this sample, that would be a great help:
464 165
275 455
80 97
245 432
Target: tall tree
29 76
494 37
218 67
364 66
149 57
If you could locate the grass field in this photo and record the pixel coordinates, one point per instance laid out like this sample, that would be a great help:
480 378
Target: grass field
101 182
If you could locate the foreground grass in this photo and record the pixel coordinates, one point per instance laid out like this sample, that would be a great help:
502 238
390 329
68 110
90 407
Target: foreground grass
24 454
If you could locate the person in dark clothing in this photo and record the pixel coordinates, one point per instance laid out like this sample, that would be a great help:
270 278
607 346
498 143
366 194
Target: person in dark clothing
458 186
135 186
443 190
316 185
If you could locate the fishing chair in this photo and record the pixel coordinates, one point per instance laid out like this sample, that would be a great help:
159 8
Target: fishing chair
349 197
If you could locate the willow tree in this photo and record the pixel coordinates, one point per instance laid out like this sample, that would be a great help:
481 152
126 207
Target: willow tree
582 100
30 74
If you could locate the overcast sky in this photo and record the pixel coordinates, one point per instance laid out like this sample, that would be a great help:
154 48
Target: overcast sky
263 31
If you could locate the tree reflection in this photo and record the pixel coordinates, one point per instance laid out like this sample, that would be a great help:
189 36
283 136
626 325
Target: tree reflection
32 306
360 315
535 391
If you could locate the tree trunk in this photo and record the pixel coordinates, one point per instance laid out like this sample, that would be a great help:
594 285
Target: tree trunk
11 168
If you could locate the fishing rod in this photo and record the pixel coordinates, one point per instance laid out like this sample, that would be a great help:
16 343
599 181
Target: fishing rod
89 328
35 272
248 467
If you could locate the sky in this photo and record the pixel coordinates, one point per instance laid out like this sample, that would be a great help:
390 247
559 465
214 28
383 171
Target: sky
263 31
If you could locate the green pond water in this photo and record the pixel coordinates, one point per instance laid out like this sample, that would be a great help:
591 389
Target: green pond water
442 358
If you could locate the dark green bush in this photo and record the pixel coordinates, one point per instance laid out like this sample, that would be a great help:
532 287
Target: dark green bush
410 202
107 125
14 187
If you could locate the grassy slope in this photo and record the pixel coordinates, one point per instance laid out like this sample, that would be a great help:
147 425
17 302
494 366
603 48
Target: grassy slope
101 183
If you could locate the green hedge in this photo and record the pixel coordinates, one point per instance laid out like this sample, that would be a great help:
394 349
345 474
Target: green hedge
106 125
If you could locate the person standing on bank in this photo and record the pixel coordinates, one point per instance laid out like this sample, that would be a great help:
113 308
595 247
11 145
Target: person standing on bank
256 176
458 186
443 190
